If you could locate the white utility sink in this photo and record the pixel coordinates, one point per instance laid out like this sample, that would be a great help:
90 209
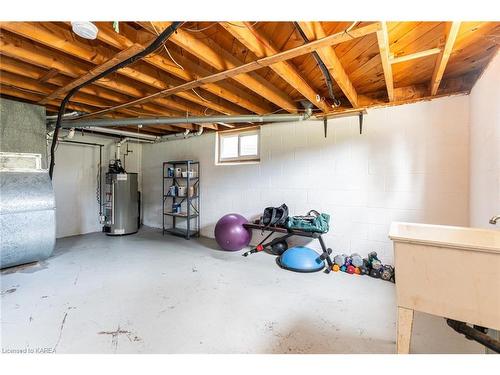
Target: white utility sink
448 236
453 272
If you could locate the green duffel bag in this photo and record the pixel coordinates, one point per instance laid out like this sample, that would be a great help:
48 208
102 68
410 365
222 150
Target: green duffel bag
312 222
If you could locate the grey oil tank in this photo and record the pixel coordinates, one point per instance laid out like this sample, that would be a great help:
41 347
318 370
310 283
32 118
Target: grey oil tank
122 205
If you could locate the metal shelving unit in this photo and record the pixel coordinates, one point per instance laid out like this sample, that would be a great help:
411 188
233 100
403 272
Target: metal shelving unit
191 215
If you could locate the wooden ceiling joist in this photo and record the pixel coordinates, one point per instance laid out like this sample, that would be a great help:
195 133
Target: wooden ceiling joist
383 45
18 74
19 49
115 60
203 69
188 72
413 56
314 31
64 41
220 59
35 87
263 47
252 66
444 56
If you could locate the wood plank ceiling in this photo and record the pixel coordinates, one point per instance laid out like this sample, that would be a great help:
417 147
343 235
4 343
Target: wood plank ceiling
209 68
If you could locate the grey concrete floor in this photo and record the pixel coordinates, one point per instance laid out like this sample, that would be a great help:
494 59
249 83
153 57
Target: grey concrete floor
146 293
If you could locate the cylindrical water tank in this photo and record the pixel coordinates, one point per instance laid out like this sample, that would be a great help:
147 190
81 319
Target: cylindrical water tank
123 209
27 217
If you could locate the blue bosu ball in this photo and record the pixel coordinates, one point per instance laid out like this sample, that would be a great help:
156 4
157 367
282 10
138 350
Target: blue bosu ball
301 259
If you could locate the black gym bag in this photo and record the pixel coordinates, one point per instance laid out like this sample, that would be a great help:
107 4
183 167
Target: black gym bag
275 216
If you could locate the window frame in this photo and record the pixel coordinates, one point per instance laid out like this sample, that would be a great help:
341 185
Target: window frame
239 133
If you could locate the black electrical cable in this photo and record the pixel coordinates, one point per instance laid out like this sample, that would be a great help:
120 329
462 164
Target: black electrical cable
152 47
322 66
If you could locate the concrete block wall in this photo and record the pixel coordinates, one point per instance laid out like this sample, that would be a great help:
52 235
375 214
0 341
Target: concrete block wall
75 182
485 147
410 164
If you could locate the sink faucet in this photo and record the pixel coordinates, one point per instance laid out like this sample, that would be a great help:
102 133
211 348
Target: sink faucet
494 219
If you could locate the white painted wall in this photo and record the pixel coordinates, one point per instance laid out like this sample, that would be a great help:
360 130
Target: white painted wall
75 181
485 147
410 164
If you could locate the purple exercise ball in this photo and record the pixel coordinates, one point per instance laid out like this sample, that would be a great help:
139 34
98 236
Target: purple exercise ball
230 233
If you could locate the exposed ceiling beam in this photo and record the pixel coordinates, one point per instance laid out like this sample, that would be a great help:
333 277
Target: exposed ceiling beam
117 59
263 47
50 74
22 50
444 56
24 69
33 86
254 65
63 40
212 54
189 70
383 45
414 93
314 31
413 56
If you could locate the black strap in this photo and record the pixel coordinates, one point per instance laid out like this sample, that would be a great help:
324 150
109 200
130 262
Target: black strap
273 217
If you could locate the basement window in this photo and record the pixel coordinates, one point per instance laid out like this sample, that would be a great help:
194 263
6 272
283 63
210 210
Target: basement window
238 146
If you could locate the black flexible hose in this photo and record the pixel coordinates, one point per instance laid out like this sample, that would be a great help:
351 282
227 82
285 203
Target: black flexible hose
151 48
322 66
474 334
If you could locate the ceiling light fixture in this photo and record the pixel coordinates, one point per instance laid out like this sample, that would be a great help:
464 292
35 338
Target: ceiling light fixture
85 29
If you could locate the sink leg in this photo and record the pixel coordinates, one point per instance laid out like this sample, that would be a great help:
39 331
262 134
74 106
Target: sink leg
405 324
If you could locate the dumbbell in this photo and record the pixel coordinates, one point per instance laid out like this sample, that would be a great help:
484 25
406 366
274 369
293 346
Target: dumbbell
348 261
343 268
393 278
357 271
376 264
372 256
387 272
363 270
335 268
351 269
339 259
356 260
376 273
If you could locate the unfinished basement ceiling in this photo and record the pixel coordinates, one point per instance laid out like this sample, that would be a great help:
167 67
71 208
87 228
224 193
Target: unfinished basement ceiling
422 59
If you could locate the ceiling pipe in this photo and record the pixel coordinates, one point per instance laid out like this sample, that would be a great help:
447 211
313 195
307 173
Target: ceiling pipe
69 135
53 118
131 135
149 121
119 146
184 135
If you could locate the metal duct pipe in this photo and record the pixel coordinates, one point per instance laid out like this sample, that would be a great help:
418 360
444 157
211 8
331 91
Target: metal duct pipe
185 135
131 135
199 132
53 118
69 135
145 121
119 146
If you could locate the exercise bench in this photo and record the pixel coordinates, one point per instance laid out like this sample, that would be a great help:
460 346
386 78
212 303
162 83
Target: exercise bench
287 233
